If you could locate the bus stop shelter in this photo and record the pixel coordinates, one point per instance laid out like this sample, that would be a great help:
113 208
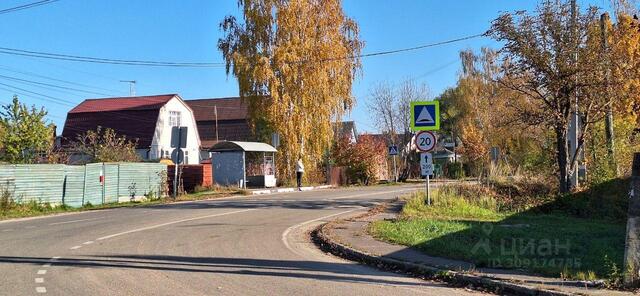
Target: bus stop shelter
243 164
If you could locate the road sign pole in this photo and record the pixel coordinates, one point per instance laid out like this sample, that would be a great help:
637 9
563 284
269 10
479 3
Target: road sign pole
425 116
428 192
395 170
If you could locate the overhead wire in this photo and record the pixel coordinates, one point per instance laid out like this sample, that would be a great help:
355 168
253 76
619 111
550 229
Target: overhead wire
75 58
88 59
27 6
49 86
26 73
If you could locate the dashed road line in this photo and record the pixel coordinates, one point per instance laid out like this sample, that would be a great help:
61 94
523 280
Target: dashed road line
88 243
46 265
41 289
75 247
42 271
39 280
7 230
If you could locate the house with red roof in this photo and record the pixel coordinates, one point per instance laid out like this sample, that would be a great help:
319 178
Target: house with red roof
148 120
221 119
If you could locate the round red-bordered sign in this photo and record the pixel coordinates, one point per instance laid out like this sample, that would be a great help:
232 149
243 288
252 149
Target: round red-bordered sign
425 141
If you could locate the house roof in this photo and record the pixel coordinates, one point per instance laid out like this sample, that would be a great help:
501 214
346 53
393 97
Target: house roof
231 108
242 146
378 138
345 129
132 117
444 153
123 103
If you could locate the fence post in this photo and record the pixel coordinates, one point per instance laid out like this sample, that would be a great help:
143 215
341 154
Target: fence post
84 186
632 244
118 185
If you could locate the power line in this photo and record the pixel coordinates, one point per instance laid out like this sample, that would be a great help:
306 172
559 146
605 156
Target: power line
74 58
87 59
53 85
111 91
27 6
394 51
43 96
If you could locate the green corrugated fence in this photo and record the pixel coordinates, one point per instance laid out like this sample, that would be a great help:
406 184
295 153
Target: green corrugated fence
78 185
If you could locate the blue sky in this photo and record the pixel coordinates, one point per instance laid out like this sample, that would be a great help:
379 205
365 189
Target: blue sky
188 31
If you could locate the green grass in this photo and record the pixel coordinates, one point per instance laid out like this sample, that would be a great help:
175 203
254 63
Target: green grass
10 209
479 230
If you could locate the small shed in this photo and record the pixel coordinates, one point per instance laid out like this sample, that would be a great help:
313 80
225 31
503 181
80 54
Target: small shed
243 164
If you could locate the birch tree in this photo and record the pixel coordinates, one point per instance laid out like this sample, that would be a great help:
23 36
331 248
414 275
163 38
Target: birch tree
295 61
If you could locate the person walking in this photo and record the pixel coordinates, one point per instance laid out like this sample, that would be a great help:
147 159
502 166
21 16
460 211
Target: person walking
299 172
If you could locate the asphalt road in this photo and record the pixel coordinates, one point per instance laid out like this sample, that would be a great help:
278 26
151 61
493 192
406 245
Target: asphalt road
234 246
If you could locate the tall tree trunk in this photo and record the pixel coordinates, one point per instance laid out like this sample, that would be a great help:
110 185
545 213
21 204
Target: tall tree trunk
562 153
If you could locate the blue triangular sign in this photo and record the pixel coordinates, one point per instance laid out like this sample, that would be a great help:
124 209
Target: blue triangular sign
424 117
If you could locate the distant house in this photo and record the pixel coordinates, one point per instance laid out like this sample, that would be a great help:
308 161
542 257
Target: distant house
345 129
220 119
145 119
381 141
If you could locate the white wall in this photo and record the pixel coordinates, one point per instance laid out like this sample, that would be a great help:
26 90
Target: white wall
162 135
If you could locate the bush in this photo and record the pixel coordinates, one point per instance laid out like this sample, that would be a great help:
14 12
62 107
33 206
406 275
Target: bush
455 170
7 201
361 159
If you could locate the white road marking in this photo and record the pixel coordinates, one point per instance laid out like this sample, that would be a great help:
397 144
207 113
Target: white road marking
55 258
41 289
285 234
46 265
39 280
288 230
75 247
6 230
374 193
75 221
42 271
170 223
88 243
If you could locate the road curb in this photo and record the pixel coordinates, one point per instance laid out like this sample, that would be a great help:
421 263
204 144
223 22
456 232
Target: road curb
281 190
455 278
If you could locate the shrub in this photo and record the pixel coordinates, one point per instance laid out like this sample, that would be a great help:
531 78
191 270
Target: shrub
6 199
361 159
455 170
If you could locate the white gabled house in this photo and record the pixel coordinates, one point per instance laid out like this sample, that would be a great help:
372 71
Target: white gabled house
146 119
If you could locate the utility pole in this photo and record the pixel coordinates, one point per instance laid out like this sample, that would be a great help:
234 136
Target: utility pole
608 120
132 87
573 148
215 111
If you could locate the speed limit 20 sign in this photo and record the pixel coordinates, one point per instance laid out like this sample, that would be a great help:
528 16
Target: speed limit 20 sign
425 141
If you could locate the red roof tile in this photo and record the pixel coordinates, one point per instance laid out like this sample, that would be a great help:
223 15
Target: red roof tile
228 109
132 117
122 103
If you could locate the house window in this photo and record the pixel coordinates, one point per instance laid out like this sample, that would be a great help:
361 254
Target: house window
174 118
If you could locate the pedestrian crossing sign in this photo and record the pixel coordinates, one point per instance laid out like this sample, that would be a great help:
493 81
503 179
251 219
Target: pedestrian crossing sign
425 116
393 150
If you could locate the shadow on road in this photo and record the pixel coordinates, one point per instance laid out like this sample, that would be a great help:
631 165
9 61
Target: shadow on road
342 272
312 204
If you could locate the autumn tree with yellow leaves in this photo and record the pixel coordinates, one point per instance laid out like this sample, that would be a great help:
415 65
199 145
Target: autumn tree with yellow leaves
295 62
